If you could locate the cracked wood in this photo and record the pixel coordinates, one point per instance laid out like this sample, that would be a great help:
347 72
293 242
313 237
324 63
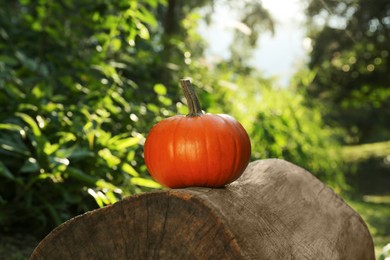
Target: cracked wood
276 210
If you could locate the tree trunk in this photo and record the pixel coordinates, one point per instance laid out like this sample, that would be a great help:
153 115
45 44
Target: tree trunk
276 210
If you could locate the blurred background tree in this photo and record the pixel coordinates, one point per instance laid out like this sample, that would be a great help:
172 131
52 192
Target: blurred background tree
351 60
350 66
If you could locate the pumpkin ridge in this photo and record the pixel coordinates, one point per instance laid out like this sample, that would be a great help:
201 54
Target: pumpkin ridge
189 150
173 143
221 177
243 138
205 140
236 158
231 127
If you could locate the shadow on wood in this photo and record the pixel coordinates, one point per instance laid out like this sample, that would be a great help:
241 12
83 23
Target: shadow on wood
276 210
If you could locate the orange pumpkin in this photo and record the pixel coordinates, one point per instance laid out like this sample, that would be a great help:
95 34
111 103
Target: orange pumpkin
199 149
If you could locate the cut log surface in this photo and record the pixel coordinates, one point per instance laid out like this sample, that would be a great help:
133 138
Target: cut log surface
276 210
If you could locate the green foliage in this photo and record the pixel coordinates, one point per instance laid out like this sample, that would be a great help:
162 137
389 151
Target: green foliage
72 77
350 58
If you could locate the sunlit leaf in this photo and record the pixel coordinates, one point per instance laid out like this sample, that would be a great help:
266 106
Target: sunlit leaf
50 148
31 122
111 197
97 198
38 92
91 139
143 31
145 183
118 98
111 159
105 185
115 44
104 197
160 89
11 127
126 143
153 108
66 137
147 17
127 168
130 156
165 101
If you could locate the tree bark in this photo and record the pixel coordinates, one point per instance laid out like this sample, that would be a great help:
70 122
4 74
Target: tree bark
275 210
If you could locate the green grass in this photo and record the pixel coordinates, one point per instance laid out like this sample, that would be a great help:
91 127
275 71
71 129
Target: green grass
358 153
375 211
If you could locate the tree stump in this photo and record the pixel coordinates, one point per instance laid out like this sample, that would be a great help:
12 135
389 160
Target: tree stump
276 210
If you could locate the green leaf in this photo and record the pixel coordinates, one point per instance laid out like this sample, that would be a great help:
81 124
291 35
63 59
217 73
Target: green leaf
145 183
115 44
31 122
66 137
153 108
147 17
110 159
130 155
160 89
111 197
80 154
99 197
127 168
11 127
9 60
50 148
93 181
38 92
143 31
29 63
5 172
81 176
119 99
126 143
13 148
14 92
165 101
106 185
30 165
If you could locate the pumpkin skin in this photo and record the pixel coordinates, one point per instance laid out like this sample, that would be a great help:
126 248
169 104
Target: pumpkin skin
204 150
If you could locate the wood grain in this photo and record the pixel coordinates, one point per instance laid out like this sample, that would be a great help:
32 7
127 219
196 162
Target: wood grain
276 210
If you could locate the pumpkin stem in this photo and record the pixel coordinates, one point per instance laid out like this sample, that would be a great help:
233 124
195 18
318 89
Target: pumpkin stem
191 97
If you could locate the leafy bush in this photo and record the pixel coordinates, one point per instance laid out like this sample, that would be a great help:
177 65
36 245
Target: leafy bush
73 92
